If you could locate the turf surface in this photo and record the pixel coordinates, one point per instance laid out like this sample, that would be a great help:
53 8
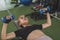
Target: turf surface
53 31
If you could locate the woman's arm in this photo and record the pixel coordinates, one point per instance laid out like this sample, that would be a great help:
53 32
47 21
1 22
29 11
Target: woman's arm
48 23
4 35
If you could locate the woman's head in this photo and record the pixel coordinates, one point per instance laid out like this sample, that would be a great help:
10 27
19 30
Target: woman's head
22 20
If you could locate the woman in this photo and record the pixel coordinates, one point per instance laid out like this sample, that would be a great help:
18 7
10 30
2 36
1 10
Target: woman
28 32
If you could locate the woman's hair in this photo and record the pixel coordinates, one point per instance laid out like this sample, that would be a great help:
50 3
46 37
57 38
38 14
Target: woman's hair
20 25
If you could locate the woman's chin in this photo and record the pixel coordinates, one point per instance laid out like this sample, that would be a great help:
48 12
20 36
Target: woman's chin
25 23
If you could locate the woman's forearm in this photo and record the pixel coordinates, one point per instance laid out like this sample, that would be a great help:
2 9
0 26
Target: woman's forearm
3 33
48 19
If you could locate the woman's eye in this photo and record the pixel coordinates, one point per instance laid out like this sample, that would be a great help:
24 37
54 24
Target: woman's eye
21 17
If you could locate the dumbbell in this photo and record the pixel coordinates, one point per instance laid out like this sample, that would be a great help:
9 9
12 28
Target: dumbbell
7 20
42 11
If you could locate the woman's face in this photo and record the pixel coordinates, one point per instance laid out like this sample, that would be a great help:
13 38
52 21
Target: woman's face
23 20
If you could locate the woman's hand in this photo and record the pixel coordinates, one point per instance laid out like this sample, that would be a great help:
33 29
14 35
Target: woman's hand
8 17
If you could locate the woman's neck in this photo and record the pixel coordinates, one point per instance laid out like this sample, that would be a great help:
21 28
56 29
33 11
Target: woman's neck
25 25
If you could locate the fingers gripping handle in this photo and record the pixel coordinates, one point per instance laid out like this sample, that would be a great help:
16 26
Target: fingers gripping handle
42 11
7 20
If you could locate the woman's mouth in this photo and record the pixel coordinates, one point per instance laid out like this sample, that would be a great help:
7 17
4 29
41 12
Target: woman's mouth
24 18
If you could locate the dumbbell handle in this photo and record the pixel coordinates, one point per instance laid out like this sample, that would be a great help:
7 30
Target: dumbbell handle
48 8
44 9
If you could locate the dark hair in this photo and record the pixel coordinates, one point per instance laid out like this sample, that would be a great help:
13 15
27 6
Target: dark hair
19 24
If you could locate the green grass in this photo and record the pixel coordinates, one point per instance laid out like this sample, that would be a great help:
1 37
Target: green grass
53 31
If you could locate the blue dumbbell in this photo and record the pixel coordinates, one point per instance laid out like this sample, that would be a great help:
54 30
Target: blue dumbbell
5 20
12 17
48 8
42 11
